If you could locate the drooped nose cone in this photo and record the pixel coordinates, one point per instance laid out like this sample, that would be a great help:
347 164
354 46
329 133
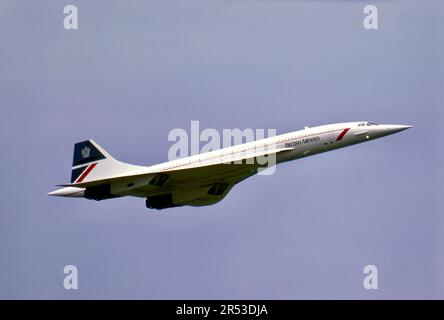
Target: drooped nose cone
397 128
383 130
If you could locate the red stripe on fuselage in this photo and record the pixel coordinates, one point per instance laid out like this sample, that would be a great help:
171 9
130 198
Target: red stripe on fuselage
339 138
85 173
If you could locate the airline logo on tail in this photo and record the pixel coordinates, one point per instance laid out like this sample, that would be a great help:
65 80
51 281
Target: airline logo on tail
84 153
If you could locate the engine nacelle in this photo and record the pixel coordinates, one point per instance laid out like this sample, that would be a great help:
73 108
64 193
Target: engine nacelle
101 192
162 201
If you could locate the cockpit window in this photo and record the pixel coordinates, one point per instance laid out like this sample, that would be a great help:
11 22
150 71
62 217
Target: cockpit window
371 124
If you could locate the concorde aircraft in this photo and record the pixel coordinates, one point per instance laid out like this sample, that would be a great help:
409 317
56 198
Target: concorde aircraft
206 178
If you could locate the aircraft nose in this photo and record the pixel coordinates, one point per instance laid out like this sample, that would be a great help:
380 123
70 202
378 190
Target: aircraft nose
397 128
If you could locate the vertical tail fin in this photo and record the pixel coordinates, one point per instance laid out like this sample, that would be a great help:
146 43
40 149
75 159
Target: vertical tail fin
91 162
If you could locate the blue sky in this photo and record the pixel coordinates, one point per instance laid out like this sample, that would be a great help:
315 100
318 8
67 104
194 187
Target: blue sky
135 70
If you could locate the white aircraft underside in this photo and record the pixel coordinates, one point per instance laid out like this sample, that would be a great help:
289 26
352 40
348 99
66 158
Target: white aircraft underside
206 178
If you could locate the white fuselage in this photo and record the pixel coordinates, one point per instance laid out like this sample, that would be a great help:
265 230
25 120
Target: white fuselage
125 179
302 143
